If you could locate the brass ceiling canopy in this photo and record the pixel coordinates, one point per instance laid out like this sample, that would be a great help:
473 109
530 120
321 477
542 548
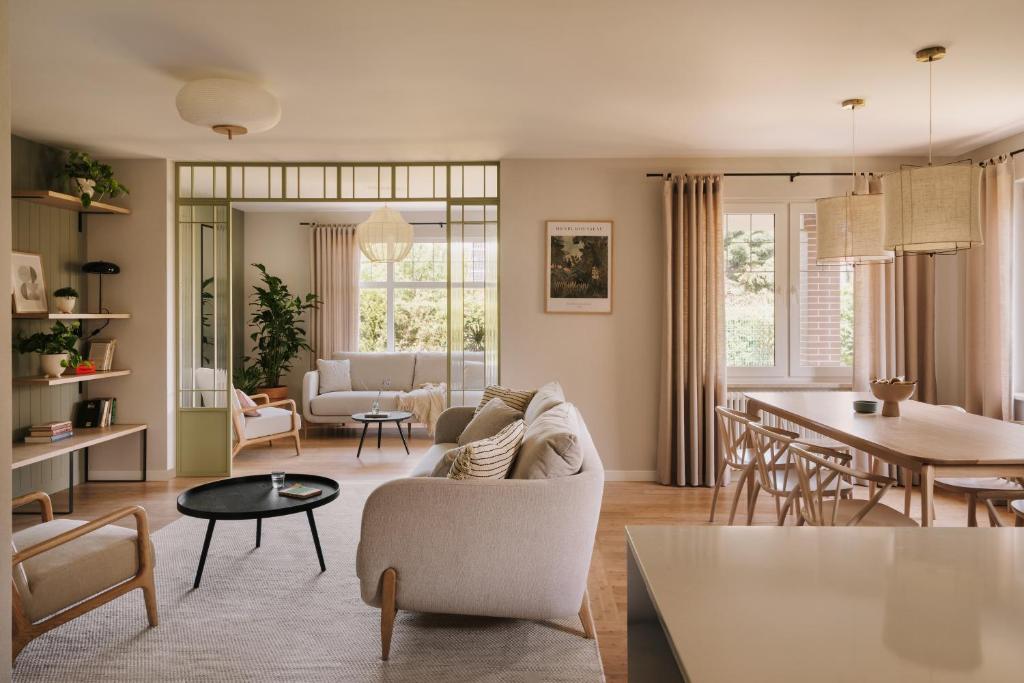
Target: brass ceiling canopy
930 54
853 103
230 130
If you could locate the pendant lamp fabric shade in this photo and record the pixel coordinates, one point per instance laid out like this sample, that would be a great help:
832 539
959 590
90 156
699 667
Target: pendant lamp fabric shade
227 102
850 229
933 209
385 236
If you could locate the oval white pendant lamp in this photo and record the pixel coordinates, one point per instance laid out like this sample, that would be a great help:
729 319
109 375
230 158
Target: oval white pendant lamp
229 106
850 227
385 237
932 209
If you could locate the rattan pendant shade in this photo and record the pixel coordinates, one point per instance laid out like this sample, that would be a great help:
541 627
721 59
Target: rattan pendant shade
850 230
385 237
933 209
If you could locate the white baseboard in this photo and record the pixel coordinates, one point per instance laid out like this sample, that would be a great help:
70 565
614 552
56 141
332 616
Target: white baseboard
630 475
132 475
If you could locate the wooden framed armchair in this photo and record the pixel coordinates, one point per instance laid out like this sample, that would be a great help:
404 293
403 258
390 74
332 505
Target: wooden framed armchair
62 569
277 419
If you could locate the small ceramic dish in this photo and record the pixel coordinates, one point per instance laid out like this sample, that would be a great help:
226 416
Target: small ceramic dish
865 406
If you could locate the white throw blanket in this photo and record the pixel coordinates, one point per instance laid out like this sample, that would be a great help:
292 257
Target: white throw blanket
425 402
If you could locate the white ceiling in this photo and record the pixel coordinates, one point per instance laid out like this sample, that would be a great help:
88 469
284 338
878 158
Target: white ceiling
485 79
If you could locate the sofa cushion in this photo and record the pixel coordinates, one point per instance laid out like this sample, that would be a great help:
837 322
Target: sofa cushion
488 458
427 465
335 375
270 421
512 398
78 569
369 371
488 421
550 447
546 398
351 402
244 404
431 368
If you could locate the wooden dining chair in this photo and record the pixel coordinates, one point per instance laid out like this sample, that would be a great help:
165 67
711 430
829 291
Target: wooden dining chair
736 455
1014 501
774 470
818 476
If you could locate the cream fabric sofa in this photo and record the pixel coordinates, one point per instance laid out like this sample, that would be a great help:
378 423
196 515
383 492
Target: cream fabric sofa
501 547
406 370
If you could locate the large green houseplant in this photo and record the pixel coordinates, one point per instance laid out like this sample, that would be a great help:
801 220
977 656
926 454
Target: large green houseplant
278 333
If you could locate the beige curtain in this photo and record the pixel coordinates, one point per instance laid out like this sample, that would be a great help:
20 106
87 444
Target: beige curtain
693 337
334 261
987 306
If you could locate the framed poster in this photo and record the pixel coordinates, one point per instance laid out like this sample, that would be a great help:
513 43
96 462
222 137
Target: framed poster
579 267
28 289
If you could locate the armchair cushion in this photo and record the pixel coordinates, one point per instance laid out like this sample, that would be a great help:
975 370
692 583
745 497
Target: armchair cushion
77 570
246 404
550 447
335 375
270 421
351 402
490 420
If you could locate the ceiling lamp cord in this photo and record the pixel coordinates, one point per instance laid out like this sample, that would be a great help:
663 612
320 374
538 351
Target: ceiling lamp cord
931 62
853 149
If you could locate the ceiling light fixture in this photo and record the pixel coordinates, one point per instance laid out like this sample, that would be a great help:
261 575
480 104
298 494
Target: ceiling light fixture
228 106
850 227
932 209
385 237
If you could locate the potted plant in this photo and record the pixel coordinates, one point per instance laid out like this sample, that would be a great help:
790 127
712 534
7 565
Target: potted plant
57 349
65 299
248 378
89 179
279 335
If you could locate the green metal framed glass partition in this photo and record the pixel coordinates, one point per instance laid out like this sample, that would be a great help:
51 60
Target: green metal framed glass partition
205 194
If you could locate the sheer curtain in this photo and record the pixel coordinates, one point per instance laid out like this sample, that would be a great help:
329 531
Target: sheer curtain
693 336
334 263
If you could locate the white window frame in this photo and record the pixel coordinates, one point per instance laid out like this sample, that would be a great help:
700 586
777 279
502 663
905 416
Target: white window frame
787 368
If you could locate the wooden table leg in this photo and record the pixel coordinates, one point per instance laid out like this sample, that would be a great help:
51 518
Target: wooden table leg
927 492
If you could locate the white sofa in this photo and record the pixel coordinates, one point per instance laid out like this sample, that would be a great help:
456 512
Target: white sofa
516 548
405 370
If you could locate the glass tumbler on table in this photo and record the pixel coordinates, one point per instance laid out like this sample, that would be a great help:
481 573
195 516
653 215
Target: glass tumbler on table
277 479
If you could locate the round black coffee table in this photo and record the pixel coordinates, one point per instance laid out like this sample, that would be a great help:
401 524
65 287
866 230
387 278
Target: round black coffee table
253 497
396 416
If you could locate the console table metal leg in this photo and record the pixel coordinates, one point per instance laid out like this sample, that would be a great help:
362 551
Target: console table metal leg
206 549
71 482
259 530
362 436
402 434
316 540
380 428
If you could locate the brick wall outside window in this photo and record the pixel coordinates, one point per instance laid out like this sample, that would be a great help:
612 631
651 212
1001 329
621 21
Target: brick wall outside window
820 309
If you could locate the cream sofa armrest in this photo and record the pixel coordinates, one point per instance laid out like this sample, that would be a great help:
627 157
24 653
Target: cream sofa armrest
451 422
505 548
310 389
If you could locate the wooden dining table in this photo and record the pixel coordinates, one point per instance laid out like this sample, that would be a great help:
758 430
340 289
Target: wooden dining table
932 441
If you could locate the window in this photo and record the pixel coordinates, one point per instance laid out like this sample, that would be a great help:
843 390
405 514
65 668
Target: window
785 317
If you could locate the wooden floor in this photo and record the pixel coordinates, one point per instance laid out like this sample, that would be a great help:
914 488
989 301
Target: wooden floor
333 455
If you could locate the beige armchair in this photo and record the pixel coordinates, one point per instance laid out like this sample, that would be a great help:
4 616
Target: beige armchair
63 568
277 419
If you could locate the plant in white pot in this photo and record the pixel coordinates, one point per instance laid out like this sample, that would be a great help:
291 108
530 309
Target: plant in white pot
65 299
89 179
57 349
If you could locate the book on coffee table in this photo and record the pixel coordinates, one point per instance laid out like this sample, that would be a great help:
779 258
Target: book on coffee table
299 491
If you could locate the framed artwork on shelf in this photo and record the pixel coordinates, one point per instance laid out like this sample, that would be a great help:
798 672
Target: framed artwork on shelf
28 287
578 274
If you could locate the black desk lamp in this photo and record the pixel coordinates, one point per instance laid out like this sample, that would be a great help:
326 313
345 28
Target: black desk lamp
101 268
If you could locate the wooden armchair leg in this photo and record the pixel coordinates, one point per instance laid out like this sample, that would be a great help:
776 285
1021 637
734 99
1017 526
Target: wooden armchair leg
298 444
149 595
388 610
586 618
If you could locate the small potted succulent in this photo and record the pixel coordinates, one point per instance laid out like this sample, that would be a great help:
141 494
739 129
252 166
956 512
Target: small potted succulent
89 179
57 349
65 299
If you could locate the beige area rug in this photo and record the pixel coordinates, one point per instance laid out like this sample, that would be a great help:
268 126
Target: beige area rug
268 614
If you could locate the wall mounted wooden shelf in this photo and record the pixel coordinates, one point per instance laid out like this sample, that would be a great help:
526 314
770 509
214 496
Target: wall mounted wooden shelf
70 379
71 316
28 453
60 200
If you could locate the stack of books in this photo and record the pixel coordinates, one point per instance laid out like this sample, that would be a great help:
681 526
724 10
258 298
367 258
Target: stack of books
49 432
101 353
96 412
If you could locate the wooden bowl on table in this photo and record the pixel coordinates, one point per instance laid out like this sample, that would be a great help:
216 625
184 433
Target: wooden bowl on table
890 393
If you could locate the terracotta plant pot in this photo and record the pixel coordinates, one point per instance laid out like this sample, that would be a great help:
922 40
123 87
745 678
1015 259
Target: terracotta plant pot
275 393
65 304
50 363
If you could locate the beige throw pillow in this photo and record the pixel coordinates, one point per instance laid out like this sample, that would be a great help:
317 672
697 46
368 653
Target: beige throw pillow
550 447
335 375
246 404
517 400
490 420
488 458
546 398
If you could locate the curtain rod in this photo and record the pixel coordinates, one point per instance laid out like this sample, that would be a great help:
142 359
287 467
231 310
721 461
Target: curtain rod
315 224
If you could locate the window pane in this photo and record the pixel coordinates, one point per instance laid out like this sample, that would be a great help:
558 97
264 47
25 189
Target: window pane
750 290
427 262
826 306
421 319
373 324
370 271
473 316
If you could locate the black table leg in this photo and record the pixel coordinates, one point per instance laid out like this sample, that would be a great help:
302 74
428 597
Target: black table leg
259 530
361 437
206 549
402 434
380 427
316 540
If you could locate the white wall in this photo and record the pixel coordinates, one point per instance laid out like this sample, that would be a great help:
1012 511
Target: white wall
5 345
609 364
142 244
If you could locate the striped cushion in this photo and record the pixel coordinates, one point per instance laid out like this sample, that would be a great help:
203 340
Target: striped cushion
517 400
488 458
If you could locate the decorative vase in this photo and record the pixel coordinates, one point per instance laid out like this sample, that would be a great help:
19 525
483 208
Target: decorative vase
375 408
66 304
50 363
80 186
